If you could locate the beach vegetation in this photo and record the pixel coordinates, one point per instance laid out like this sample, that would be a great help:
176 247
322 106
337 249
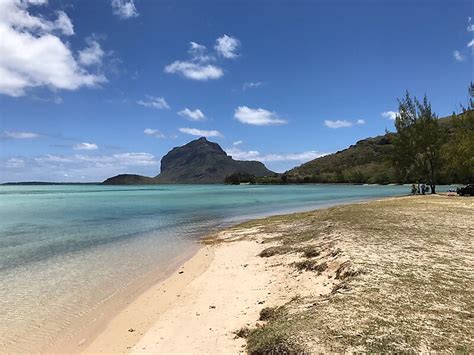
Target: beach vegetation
397 280
275 250
417 146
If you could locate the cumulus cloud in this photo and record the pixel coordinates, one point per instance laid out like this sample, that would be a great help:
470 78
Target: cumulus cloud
239 154
198 66
251 85
32 53
198 52
124 8
92 54
236 143
158 103
459 56
194 71
154 133
471 43
392 115
360 122
257 116
85 146
227 46
19 135
193 115
201 132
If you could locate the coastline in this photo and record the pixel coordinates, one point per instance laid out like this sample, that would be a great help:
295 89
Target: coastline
224 287
140 308
80 331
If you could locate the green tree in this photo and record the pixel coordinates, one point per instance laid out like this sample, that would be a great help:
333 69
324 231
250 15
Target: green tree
460 148
417 145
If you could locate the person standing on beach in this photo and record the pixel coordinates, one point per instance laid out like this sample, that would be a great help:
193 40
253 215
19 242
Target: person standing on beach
423 188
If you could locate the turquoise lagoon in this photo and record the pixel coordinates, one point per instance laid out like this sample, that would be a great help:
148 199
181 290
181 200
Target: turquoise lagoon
68 250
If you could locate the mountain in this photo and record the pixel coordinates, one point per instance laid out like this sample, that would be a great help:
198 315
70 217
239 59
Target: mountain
198 162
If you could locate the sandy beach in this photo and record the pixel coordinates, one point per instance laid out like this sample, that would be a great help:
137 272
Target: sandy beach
309 281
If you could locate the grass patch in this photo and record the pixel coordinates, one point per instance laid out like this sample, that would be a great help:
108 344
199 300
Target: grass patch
311 252
415 294
275 250
311 265
268 313
243 332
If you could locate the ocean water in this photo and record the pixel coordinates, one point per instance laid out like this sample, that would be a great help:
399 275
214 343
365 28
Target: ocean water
66 251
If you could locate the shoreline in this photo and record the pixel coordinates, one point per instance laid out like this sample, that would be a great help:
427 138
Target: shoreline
168 292
84 331
102 338
225 285
80 334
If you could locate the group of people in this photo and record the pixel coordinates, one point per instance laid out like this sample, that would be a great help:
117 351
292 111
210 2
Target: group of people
420 189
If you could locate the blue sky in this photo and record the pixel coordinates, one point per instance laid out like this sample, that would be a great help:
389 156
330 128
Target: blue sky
90 89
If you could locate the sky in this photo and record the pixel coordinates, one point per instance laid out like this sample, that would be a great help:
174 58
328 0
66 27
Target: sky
94 88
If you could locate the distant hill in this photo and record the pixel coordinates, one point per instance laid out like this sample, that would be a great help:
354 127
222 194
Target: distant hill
364 162
199 161
129 179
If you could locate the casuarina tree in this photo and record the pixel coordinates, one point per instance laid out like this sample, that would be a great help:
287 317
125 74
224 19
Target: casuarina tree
417 146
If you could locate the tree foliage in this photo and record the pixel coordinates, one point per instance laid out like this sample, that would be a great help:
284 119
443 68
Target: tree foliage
460 149
417 153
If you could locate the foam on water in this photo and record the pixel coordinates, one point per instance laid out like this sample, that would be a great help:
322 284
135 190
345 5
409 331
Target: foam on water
66 250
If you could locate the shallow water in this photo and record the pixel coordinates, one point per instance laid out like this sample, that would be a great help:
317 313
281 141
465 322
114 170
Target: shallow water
66 250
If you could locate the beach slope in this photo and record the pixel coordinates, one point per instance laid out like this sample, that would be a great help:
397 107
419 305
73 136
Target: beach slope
389 275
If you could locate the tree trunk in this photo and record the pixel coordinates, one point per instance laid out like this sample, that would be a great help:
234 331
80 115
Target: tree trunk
433 189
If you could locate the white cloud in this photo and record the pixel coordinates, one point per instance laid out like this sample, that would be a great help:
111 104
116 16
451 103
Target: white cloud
227 46
470 26
49 158
154 133
124 8
236 143
392 115
85 146
342 123
194 71
459 56
200 132
257 117
91 55
63 23
239 154
193 115
19 135
251 84
198 52
198 66
338 123
32 54
154 102
471 43
121 159
77 167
